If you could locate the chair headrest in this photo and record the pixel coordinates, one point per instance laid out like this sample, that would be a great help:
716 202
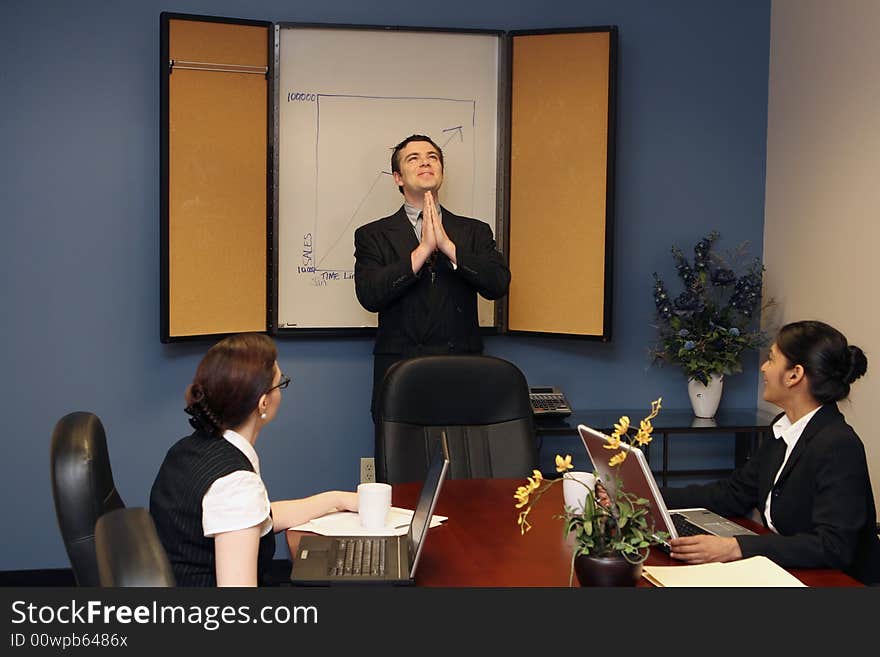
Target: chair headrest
82 487
82 479
454 390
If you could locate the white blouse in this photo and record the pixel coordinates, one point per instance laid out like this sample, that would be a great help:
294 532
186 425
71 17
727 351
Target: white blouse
239 500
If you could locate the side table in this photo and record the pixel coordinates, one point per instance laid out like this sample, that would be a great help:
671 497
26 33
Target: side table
749 425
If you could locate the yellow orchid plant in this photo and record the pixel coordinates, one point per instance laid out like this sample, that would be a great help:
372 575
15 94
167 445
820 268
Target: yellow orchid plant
641 439
607 526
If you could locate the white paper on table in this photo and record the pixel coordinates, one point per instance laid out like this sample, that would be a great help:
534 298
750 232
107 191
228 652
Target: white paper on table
347 523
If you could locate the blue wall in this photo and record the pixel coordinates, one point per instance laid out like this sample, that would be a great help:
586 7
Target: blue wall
79 196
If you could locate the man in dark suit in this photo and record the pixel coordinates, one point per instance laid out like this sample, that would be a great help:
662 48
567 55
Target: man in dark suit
422 267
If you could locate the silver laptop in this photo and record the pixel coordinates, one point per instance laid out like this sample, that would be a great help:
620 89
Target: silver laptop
636 477
326 560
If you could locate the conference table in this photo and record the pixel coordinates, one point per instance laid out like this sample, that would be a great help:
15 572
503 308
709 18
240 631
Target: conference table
480 545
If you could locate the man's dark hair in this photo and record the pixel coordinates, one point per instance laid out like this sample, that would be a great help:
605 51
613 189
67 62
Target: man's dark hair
395 161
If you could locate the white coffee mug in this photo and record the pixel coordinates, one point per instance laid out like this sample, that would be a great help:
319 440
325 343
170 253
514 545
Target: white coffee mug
574 488
374 503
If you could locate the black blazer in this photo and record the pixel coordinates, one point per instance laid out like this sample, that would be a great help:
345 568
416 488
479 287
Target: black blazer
823 506
434 311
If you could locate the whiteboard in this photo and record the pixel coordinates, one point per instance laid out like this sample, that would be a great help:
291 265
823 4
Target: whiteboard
345 97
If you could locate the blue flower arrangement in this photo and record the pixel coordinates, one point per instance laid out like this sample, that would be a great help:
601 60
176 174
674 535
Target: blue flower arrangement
706 328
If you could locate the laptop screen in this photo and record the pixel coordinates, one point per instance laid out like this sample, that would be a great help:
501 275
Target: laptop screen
421 518
634 474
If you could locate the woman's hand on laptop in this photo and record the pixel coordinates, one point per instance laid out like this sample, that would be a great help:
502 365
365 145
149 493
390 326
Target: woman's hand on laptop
705 548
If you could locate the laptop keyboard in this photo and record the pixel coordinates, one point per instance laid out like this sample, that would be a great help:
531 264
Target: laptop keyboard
685 527
359 556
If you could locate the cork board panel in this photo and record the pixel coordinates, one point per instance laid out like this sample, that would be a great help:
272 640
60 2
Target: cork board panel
218 43
217 139
558 182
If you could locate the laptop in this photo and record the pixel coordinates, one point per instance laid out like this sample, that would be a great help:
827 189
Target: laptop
637 478
332 560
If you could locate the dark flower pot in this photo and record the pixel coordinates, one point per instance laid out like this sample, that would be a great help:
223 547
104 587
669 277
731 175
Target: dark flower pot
606 571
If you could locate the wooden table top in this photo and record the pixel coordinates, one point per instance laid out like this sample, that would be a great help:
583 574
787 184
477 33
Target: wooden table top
481 545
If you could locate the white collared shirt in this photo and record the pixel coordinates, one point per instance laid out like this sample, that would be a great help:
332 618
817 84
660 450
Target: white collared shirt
412 213
239 500
783 429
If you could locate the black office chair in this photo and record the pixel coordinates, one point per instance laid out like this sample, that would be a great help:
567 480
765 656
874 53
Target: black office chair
83 488
481 402
129 551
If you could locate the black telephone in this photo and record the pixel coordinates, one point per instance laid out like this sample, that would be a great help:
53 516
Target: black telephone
548 402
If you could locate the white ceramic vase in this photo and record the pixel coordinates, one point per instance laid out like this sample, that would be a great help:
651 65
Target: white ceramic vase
705 398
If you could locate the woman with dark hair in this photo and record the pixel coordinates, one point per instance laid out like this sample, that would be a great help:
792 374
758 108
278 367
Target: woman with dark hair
209 503
811 484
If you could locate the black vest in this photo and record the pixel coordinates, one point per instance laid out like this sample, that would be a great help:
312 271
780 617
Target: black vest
189 469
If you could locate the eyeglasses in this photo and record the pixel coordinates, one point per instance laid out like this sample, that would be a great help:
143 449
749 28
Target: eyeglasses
281 385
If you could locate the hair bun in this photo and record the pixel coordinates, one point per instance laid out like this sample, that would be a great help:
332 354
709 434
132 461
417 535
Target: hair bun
203 419
195 394
858 364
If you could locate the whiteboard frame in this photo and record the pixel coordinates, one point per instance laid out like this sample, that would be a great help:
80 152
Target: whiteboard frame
502 173
502 127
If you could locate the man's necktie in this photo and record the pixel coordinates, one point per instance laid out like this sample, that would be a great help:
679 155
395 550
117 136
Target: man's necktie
418 226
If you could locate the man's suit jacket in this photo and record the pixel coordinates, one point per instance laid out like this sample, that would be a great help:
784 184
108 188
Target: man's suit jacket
434 311
823 506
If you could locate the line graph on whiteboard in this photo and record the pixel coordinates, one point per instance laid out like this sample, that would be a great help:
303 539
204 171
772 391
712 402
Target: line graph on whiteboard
354 138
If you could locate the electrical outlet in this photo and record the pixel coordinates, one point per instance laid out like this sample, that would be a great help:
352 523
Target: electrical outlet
368 470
